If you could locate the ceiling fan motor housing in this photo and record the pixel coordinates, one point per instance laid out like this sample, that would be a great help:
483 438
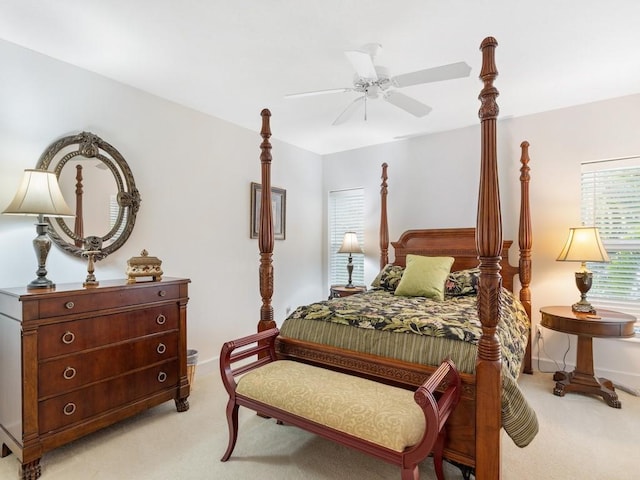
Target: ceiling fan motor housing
370 85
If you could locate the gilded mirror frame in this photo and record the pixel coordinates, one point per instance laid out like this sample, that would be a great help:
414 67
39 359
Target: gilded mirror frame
128 198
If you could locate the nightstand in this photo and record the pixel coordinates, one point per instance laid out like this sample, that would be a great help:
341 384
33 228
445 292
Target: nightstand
339 291
602 324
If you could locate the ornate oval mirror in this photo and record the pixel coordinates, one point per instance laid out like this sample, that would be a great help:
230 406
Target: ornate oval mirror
97 180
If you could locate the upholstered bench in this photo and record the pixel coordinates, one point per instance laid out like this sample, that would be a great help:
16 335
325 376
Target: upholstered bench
399 426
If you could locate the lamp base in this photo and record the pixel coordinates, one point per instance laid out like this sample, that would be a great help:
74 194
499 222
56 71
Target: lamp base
584 278
41 282
583 307
41 245
350 271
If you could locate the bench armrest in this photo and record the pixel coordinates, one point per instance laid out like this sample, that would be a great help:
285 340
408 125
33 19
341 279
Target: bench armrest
259 345
436 412
446 375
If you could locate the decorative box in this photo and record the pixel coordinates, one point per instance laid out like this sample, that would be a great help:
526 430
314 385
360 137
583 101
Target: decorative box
144 266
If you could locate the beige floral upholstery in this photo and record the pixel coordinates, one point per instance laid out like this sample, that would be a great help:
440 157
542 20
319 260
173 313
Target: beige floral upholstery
379 413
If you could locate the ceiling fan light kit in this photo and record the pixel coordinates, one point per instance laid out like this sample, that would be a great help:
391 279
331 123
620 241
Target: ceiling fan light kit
370 79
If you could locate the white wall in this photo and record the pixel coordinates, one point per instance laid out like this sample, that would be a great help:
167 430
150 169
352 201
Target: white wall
422 172
193 173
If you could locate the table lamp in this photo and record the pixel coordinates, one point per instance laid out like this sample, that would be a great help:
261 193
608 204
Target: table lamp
39 195
350 245
583 245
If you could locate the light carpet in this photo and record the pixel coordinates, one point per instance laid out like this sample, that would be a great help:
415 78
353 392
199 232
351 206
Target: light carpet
580 438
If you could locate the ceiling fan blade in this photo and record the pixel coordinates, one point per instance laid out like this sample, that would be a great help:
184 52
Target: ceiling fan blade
406 103
348 112
435 74
362 63
319 92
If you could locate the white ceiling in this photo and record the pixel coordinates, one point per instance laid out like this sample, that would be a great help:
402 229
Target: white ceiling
231 58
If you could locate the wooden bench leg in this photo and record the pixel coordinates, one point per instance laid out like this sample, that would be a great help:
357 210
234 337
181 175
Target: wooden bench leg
410 473
438 450
232 420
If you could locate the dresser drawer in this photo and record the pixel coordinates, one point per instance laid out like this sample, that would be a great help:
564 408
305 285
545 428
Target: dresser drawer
84 302
72 371
74 336
93 400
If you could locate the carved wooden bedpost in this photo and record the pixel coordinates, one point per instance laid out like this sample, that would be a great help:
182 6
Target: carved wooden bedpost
265 229
489 245
384 226
525 239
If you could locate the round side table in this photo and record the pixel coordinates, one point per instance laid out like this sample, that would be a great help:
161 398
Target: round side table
602 324
340 291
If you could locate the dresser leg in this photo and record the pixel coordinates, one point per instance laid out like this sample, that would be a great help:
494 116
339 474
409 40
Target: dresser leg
30 470
5 451
182 404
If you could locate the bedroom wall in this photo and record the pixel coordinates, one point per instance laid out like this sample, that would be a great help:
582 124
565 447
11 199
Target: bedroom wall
193 172
423 170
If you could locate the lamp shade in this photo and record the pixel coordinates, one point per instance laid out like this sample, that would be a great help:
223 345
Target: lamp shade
39 194
350 243
583 245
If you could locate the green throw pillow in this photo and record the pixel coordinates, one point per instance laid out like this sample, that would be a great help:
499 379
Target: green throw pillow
425 277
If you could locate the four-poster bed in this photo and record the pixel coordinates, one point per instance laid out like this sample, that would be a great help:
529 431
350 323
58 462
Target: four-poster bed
474 428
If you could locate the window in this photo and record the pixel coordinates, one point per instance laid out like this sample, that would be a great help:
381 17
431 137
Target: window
346 214
611 202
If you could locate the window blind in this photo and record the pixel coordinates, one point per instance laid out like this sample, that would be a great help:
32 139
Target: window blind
346 214
114 209
610 200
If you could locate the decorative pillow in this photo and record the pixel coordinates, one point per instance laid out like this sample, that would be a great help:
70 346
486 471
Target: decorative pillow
462 282
424 277
376 281
391 278
388 278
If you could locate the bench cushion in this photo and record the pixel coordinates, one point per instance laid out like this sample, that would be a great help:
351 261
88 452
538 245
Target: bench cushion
373 411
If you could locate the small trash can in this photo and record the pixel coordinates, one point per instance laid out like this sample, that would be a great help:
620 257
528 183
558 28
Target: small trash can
192 360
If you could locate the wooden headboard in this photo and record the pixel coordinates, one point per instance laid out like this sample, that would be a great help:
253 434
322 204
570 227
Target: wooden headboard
459 243
464 244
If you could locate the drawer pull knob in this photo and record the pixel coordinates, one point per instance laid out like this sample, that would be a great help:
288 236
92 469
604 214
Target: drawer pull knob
69 409
69 305
162 377
68 338
160 319
69 373
161 348
162 293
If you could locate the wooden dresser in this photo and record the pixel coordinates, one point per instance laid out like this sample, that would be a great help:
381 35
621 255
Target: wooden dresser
74 360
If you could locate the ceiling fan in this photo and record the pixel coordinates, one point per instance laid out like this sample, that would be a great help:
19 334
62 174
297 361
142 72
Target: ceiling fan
370 80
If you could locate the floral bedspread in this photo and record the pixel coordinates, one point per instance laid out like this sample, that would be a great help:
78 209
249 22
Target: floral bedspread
455 318
428 330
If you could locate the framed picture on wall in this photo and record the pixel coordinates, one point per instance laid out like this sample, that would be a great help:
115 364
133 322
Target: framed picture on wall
278 210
